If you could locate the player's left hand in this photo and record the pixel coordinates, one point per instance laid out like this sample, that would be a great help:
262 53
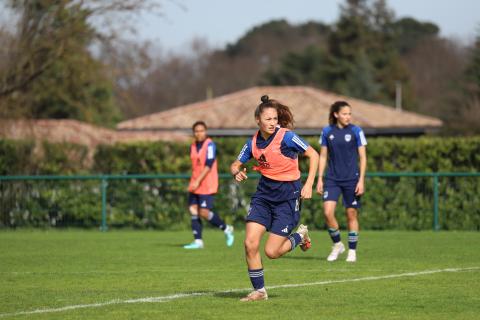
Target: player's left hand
241 175
194 186
306 192
359 189
320 186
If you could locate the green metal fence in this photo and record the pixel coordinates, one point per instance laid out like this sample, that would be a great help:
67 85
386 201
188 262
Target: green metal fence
447 185
407 200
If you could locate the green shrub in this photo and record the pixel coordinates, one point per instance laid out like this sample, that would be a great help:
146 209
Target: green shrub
389 202
16 157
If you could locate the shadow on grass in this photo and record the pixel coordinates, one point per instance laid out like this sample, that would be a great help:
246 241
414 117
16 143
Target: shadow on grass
231 295
170 244
237 295
304 258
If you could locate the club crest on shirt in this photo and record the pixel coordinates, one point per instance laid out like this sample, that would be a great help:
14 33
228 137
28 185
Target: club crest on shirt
331 137
348 137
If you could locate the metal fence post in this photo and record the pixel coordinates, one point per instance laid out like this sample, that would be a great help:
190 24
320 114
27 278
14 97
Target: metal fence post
104 204
436 225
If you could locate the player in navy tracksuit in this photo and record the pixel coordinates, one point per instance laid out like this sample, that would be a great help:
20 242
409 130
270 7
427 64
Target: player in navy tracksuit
344 145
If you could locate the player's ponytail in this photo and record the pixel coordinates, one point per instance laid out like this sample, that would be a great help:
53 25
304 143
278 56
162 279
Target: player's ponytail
285 116
335 108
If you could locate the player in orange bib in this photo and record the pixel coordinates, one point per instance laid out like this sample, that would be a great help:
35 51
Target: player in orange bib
203 186
275 206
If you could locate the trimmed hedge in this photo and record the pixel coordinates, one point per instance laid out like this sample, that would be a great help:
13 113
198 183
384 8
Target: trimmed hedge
425 154
389 203
28 158
16 157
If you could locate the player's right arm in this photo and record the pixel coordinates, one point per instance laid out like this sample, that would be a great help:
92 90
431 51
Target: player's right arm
322 162
236 169
237 172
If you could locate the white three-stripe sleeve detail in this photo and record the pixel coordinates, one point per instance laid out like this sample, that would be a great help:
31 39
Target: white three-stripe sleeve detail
300 143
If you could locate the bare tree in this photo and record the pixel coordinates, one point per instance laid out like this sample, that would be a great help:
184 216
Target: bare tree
42 32
159 81
175 79
435 82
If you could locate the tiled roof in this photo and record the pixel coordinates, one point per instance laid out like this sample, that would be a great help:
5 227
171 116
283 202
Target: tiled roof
310 107
72 131
77 132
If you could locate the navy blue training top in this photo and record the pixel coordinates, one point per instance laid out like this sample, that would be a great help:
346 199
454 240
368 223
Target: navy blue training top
342 144
269 189
211 152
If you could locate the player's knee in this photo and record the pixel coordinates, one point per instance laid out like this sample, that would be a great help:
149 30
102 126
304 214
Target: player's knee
272 253
193 210
351 213
251 246
204 213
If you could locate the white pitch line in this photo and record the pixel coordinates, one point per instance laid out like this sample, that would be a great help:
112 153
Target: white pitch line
197 294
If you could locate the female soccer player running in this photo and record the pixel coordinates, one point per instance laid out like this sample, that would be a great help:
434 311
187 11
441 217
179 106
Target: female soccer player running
275 206
203 186
344 145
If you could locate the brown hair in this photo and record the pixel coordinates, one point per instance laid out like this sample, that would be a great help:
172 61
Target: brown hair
335 108
199 123
285 116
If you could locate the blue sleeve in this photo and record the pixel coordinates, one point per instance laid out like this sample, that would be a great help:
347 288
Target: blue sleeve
360 136
246 153
211 154
323 137
294 142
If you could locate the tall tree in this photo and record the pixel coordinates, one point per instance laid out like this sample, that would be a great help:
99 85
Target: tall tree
52 72
469 116
472 71
435 67
409 33
299 68
360 60
205 71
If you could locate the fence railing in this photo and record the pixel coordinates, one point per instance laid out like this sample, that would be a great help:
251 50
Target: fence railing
435 181
383 192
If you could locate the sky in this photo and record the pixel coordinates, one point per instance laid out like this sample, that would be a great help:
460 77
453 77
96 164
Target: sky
225 21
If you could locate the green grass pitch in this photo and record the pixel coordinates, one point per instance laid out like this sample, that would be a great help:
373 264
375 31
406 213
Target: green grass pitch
75 274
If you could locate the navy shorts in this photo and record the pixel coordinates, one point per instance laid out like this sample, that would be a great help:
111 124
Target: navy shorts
279 218
333 189
204 201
